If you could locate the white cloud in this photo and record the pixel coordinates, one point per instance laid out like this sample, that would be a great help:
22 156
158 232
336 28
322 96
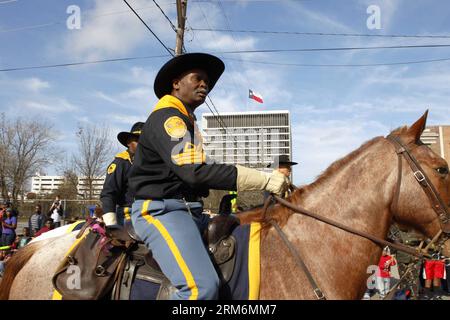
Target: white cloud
106 97
54 105
140 93
117 35
305 16
126 119
35 84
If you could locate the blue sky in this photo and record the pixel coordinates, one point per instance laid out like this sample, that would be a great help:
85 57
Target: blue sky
334 109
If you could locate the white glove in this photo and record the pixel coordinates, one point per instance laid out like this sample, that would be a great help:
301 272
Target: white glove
109 218
251 179
278 183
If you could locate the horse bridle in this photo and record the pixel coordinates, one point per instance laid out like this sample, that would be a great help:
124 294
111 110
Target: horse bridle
436 202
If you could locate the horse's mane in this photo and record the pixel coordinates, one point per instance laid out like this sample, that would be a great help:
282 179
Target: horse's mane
14 265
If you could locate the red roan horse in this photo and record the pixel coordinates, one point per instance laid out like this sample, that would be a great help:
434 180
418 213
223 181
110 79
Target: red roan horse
357 191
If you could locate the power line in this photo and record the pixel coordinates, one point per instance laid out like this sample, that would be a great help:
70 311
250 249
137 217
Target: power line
149 29
79 63
48 24
168 19
337 49
226 58
327 34
164 14
343 65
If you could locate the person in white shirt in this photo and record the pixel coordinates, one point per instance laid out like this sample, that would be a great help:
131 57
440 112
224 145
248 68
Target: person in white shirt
56 212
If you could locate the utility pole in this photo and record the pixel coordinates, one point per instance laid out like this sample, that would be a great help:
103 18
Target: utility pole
181 13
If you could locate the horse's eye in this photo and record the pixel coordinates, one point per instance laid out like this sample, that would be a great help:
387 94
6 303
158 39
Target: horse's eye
442 170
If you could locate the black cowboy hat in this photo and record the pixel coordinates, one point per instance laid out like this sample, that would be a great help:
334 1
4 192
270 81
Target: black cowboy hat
212 65
282 159
134 132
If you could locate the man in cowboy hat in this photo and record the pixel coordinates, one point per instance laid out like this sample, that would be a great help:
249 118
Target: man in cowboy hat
282 164
116 197
171 174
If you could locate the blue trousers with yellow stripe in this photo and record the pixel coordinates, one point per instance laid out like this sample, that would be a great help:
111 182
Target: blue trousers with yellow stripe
172 229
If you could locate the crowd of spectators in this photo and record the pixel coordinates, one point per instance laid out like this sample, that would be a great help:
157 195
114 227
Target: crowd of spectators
38 223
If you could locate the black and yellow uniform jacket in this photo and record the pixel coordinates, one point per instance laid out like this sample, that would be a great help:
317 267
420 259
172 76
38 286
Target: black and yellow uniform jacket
170 161
115 189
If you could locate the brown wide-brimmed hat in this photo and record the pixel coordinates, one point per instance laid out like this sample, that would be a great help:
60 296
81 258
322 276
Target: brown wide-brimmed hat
281 159
136 130
212 65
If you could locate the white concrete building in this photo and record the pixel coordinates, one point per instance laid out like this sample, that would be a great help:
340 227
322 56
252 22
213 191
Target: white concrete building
45 184
41 184
251 138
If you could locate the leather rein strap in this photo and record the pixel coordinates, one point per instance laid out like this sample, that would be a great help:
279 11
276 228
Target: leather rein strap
341 226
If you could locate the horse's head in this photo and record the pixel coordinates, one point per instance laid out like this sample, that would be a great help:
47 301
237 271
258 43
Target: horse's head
415 208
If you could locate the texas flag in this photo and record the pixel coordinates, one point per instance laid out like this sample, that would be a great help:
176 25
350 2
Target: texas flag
255 96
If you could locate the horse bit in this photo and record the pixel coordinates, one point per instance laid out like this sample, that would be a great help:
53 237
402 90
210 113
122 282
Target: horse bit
436 202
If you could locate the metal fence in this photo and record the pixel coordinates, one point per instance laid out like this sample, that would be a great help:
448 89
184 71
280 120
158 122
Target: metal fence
72 209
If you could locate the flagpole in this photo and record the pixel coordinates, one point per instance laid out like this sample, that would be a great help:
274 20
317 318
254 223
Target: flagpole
247 102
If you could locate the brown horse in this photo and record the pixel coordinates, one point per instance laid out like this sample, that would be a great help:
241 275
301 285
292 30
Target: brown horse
357 191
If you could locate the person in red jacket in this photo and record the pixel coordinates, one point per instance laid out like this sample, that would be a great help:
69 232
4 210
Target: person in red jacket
384 272
47 227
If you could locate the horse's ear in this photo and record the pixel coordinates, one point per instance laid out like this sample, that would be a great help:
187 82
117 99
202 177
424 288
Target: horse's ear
415 131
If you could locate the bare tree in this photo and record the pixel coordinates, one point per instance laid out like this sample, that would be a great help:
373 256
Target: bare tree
67 168
94 153
5 156
25 147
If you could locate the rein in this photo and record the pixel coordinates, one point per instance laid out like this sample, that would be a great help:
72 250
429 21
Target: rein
422 179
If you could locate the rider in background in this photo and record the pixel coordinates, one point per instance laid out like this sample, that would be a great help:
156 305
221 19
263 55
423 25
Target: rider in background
171 174
116 197
282 164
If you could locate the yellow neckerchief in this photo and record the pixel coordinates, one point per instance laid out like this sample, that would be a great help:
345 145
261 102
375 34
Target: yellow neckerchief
192 153
124 155
169 101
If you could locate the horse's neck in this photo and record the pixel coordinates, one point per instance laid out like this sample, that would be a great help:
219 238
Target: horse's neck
358 195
